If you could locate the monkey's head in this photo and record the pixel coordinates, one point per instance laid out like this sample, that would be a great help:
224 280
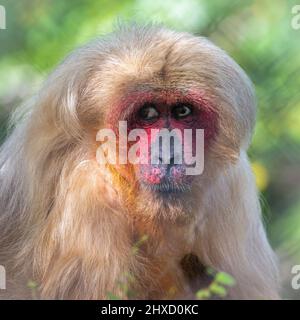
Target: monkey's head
153 79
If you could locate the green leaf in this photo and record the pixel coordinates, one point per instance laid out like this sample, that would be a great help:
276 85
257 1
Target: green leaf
203 294
111 296
225 279
32 284
218 290
211 271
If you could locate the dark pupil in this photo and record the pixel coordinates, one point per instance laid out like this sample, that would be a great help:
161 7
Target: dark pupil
182 111
148 112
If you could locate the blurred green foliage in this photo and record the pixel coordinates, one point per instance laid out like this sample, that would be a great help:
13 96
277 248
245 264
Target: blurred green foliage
257 34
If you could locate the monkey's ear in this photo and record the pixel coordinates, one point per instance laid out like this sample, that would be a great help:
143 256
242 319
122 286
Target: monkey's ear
243 102
236 95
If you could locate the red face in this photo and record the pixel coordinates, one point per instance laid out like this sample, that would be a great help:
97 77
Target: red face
169 110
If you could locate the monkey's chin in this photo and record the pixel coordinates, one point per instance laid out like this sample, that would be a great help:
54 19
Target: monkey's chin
167 201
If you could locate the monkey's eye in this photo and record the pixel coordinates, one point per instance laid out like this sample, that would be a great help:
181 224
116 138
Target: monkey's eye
148 113
181 111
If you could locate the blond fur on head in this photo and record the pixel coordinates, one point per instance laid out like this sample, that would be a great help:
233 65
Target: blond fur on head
67 224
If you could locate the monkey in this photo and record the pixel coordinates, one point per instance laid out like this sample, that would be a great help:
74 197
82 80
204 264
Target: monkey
81 229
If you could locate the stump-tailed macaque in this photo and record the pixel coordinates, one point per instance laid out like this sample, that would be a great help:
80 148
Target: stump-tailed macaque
81 228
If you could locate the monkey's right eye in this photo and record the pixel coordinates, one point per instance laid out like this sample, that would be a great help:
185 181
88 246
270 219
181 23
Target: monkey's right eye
148 113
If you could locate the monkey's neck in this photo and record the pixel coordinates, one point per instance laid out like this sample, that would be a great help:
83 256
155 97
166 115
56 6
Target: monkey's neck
165 249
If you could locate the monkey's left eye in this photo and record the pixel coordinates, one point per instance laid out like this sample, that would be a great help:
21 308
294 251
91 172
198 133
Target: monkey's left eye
148 113
181 111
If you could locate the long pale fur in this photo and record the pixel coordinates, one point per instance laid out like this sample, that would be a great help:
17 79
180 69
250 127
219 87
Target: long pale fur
75 227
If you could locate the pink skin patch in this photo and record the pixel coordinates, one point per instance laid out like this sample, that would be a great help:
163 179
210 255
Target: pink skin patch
155 175
177 172
204 117
129 105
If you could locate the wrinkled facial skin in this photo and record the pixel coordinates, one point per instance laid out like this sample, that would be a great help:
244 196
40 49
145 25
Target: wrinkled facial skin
154 111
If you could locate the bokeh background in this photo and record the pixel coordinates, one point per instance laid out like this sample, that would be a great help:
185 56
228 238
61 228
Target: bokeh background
257 34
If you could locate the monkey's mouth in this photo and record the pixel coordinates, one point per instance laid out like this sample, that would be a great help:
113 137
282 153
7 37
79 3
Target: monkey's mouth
167 187
165 179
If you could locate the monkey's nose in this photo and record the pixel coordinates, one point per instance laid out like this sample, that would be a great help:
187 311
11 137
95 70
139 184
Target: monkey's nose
170 161
167 159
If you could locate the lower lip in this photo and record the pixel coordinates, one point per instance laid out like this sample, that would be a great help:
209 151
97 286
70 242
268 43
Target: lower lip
166 187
